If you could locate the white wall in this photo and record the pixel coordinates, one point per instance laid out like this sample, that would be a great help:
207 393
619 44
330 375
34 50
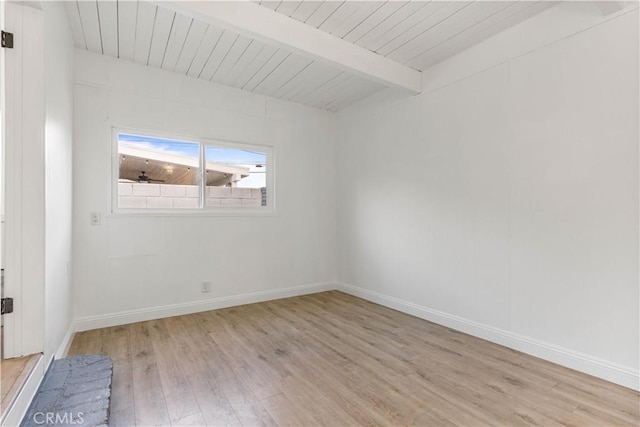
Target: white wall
58 146
503 201
148 266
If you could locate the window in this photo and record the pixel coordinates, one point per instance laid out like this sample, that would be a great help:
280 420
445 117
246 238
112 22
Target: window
167 173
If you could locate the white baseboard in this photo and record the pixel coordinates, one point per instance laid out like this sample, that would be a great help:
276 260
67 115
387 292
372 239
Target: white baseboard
132 316
21 404
606 370
66 343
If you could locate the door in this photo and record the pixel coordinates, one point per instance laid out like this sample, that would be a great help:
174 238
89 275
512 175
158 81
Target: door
22 176
7 327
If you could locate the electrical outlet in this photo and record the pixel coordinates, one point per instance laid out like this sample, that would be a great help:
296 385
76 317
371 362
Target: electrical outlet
94 218
206 286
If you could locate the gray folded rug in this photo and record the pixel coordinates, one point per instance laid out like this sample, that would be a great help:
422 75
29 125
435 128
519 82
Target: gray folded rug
75 391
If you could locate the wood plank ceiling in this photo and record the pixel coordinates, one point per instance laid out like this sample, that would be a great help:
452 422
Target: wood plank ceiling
417 33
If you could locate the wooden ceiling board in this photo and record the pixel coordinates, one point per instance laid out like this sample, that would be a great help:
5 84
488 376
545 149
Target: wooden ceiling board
360 15
319 86
91 25
73 13
305 10
324 89
239 63
397 33
346 102
177 40
288 7
132 168
335 92
206 48
278 57
166 173
329 90
414 27
312 77
361 92
324 12
127 18
273 5
386 11
108 18
308 74
355 88
194 38
376 35
287 70
514 14
223 74
265 53
144 32
160 37
221 49
344 12
462 20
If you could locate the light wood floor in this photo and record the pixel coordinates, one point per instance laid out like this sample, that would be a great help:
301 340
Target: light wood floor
332 359
13 374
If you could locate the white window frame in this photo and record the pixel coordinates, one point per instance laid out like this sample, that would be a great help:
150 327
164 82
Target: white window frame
203 209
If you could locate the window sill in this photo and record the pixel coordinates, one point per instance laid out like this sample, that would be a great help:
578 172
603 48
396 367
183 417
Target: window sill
192 213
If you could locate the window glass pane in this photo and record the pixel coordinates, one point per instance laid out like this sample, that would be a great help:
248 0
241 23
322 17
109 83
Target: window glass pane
235 177
157 173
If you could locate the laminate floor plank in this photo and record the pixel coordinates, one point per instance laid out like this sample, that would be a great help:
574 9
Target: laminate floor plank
117 343
150 407
78 343
141 343
285 413
195 419
248 369
13 375
181 402
214 405
122 385
122 417
253 415
190 361
334 359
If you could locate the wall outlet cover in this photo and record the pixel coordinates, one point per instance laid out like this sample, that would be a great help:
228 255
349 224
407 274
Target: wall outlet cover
206 286
94 218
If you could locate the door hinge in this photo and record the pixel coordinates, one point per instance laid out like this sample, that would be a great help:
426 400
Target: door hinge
7 40
7 305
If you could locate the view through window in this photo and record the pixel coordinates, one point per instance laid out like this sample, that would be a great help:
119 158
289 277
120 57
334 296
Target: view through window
162 173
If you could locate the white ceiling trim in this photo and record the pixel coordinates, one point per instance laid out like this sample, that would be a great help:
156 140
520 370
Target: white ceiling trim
265 25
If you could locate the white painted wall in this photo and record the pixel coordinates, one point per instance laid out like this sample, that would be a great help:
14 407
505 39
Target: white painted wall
150 266
58 61
515 216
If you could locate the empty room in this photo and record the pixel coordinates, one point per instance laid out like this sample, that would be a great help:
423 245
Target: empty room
320 213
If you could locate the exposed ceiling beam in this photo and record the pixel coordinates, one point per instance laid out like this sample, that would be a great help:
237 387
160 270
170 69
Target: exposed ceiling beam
263 24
